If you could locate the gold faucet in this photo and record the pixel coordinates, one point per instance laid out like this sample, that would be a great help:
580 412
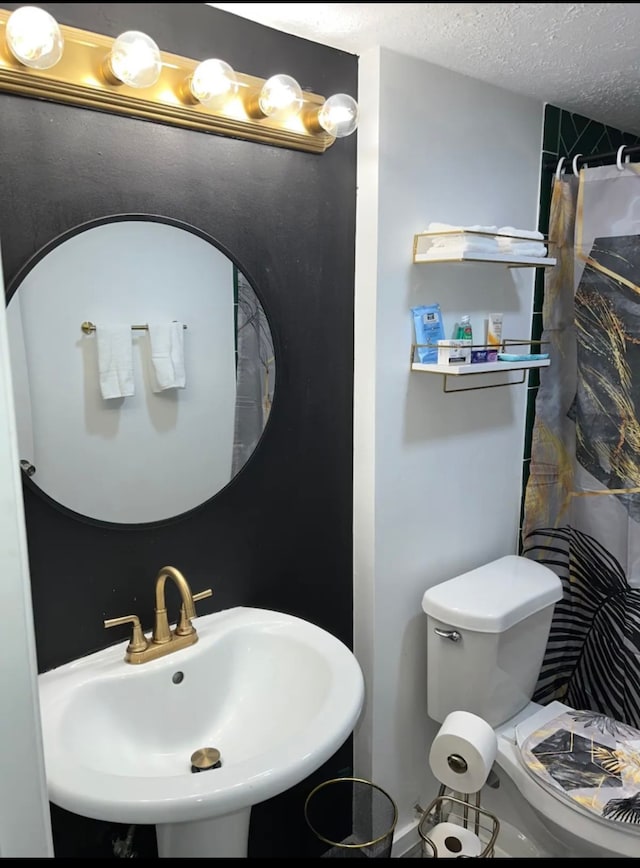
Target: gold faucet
163 639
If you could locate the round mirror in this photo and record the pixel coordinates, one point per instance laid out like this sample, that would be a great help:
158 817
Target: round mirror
143 368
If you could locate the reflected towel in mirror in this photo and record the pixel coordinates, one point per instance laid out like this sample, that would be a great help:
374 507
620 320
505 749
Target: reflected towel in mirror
115 361
166 341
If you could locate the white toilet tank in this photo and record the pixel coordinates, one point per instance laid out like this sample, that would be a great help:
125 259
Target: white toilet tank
487 633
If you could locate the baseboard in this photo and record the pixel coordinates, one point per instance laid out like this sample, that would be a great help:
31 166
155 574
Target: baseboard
406 842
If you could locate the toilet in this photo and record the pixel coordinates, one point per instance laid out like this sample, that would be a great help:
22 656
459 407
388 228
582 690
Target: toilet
487 634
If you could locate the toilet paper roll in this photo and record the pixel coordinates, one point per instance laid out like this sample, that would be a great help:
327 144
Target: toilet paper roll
453 841
463 752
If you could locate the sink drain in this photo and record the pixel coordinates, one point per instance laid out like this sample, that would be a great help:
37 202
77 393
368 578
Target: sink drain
204 759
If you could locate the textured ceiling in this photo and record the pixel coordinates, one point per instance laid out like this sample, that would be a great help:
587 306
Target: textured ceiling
583 57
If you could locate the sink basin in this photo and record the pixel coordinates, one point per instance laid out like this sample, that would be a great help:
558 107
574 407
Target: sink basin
274 694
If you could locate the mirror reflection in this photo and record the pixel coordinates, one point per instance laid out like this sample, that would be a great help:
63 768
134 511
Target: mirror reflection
157 403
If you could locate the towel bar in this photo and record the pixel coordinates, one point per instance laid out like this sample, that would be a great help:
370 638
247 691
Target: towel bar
88 327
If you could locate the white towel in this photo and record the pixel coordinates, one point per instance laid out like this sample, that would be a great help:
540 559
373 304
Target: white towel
521 233
167 356
522 248
447 227
465 244
115 361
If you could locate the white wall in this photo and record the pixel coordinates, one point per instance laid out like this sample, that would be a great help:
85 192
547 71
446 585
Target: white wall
437 477
25 825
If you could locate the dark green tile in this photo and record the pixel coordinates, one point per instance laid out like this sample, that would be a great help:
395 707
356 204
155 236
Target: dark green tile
615 138
546 176
538 297
592 140
551 129
536 326
580 123
530 418
534 378
526 473
568 133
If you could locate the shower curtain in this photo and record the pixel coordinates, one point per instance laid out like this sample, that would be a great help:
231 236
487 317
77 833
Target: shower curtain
255 372
582 499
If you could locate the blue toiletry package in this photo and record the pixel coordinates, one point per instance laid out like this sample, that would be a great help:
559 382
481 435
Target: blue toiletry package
429 329
522 357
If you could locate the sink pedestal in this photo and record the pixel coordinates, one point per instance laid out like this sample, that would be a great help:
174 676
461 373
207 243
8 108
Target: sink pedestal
217 837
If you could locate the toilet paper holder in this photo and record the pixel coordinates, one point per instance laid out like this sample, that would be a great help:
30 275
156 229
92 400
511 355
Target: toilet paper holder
478 828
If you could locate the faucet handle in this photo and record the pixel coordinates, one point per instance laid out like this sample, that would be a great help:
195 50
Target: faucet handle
202 595
138 641
184 624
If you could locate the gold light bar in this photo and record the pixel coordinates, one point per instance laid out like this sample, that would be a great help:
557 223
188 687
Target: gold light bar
78 79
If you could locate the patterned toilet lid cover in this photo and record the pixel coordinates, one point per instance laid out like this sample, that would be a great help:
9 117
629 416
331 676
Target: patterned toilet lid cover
590 760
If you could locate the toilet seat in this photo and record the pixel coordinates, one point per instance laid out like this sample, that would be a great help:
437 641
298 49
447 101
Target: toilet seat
563 813
588 760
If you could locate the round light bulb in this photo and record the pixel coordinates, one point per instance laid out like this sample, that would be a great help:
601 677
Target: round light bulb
135 59
34 38
213 81
338 116
280 96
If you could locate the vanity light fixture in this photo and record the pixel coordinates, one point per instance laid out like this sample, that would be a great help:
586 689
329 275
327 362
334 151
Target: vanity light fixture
134 60
33 37
131 76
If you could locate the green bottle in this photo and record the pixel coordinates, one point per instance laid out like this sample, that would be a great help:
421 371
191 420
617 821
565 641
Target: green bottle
465 332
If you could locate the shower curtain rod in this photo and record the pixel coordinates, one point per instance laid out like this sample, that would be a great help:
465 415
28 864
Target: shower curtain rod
584 159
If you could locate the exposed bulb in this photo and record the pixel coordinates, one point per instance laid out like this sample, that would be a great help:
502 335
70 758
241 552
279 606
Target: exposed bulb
34 37
338 116
135 59
280 97
213 82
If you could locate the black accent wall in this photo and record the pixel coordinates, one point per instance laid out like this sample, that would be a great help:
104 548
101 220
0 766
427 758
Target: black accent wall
279 535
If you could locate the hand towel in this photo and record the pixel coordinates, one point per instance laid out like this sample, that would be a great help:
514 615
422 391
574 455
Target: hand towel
115 361
167 356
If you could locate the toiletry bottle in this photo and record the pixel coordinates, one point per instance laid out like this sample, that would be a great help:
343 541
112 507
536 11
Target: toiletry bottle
494 331
465 332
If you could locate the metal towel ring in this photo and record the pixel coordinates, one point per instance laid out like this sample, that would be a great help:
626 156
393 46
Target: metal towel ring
574 164
559 171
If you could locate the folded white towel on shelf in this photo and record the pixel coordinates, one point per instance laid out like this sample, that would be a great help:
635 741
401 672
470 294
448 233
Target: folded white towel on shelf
447 227
167 356
115 361
522 248
466 244
457 241
521 233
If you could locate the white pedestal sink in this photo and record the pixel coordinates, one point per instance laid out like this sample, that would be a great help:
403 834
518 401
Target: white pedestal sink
275 694
219 837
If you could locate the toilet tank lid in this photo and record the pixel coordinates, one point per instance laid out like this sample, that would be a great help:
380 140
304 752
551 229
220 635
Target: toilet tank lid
495 596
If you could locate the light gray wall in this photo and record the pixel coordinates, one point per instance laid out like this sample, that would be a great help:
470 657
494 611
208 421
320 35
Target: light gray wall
437 477
25 825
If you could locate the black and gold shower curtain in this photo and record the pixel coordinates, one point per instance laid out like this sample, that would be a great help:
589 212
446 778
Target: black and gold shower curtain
582 500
